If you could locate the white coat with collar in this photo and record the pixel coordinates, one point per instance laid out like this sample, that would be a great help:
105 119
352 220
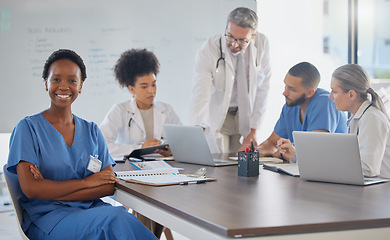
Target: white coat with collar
212 89
123 127
373 130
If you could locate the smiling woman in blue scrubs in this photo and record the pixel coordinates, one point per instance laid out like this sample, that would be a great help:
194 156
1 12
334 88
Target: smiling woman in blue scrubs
64 167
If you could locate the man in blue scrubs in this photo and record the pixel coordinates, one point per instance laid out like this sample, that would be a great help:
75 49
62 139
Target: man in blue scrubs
307 108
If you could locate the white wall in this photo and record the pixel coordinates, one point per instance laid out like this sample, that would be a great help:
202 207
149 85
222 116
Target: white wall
4 142
100 31
295 32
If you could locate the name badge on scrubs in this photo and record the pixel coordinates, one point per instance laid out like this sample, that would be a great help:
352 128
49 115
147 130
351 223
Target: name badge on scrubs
94 164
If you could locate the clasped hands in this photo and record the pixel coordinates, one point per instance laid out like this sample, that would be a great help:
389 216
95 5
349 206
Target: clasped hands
97 179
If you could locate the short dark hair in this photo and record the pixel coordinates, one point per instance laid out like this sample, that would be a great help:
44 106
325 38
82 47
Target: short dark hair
65 54
308 72
134 63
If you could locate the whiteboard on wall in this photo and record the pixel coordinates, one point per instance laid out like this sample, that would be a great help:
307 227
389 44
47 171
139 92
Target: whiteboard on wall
99 31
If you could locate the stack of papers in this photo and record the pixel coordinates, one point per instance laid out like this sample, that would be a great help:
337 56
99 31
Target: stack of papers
158 173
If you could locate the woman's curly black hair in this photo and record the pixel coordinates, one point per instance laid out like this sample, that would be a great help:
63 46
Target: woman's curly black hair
64 54
135 63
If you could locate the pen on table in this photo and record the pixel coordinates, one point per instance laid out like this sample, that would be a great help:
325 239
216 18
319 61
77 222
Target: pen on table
193 182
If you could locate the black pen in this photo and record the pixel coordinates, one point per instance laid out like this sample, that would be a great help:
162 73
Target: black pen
193 182
253 148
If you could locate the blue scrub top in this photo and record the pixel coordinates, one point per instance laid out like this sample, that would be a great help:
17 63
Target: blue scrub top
321 113
36 140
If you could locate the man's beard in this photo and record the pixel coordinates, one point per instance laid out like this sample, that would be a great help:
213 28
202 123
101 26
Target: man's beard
300 100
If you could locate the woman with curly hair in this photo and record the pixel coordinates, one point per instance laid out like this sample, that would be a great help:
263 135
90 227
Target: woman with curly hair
137 123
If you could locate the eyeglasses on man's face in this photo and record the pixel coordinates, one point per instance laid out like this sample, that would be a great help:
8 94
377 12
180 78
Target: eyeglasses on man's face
241 41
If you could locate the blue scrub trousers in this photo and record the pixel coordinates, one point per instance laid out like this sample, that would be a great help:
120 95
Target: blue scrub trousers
99 222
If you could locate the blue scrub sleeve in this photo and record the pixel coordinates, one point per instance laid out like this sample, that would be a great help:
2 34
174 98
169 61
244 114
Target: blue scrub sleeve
23 146
280 126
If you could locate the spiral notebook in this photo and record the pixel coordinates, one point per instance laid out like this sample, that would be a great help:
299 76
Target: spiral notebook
158 173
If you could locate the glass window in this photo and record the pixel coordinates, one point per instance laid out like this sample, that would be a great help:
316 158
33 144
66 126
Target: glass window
336 30
374 44
374 37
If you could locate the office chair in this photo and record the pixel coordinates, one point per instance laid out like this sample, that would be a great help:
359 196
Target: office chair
15 193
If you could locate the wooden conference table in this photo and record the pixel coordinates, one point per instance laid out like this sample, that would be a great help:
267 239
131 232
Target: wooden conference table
271 205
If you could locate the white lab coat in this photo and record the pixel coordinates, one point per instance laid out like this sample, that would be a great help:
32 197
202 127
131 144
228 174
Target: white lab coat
212 89
373 130
121 138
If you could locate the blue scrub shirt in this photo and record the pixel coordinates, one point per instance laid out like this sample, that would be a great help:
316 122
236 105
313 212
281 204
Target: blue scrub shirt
321 113
37 141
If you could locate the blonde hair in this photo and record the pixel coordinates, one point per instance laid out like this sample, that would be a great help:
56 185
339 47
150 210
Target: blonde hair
353 77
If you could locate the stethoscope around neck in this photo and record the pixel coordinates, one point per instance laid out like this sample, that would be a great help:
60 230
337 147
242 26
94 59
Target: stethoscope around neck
357 131
131 118
221 57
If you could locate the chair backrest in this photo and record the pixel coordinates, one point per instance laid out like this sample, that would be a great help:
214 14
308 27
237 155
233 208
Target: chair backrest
4 148
15 193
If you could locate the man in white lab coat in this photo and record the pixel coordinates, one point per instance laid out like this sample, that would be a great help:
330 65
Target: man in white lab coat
225 105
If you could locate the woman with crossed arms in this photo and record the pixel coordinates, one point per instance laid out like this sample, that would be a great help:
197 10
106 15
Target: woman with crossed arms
64 168
351 92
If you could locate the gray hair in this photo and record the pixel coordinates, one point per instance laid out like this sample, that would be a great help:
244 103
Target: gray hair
243 17
354 77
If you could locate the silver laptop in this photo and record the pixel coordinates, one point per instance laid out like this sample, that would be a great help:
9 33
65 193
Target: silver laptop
330 157
188 144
